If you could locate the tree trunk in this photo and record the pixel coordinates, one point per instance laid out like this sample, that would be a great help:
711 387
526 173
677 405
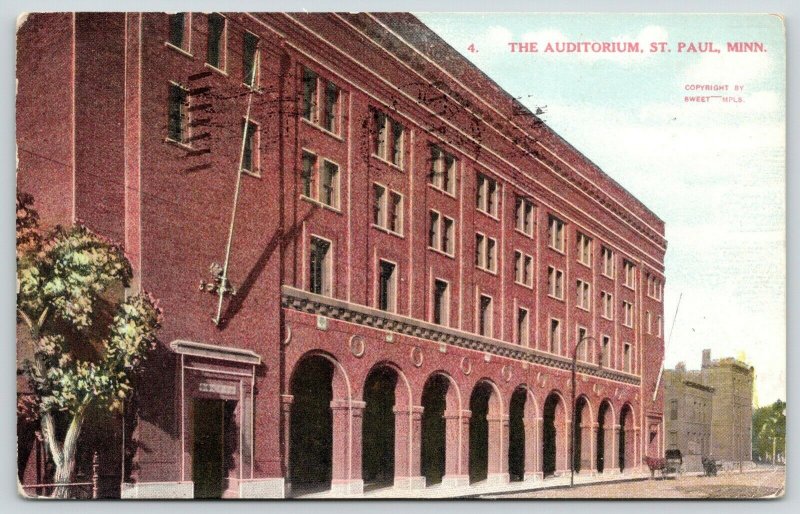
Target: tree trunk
66 467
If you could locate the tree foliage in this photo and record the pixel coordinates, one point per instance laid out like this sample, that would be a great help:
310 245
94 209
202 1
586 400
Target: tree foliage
769 428
88 341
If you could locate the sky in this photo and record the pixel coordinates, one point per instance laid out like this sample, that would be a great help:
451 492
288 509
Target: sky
714 172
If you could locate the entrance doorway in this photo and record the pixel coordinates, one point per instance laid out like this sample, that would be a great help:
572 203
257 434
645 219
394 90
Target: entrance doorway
379 427
604 422
479 433
550 446
213 423
625 438
516 435
434 446
311 426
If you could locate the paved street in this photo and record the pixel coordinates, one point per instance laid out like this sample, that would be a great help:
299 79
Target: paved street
754 484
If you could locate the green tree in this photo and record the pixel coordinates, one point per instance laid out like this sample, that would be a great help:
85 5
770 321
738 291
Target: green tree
769 430
87 340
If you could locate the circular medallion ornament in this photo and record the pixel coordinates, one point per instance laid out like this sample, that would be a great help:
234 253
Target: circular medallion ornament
416 356
506 372
466 365
288 338
357 346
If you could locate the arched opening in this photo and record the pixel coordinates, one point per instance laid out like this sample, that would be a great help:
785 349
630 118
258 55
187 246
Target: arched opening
516 435
626 438
378 433
479 432
605 420
434 443
553 411
311 425
581 438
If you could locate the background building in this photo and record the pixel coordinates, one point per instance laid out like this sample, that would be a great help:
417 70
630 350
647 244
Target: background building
688 405
732 412
710 411
415 254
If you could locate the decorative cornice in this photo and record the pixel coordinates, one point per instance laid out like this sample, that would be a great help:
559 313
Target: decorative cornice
217 352
304 301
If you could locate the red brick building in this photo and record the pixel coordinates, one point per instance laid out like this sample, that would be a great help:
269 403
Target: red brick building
415 254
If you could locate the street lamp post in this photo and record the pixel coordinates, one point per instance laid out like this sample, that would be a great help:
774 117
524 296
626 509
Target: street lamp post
572 406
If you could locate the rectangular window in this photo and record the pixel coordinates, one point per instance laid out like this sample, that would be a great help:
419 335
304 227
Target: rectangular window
434 235
491 262
320 279
440 303
177 30
523 265
380 142
584 249
330 111
249 63
379 204
608 262
583 295
388 141
627 314
387 209
555 336
630 273
309 95
606 351
583 351
250 150
555 283
608 305
522 326
216 41
447 235
485 316
387 285
524 221
309 164
659 328
178 114
556 233
626 356
527 271
442 170
485 253
329 184
397 144
486 195
649 321
395 213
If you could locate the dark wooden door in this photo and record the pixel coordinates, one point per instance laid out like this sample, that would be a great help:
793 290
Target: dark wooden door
207 460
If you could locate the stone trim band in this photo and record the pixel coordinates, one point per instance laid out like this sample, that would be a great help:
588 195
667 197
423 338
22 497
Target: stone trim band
304 301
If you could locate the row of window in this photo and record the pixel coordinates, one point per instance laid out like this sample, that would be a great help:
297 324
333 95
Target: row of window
320 180
697 413
320 282
180 37
587 350
655 288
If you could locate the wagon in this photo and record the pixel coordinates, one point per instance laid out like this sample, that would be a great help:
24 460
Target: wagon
711 466
674 461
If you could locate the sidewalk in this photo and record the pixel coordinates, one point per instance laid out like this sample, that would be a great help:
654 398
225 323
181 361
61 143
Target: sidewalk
482 488
489 490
